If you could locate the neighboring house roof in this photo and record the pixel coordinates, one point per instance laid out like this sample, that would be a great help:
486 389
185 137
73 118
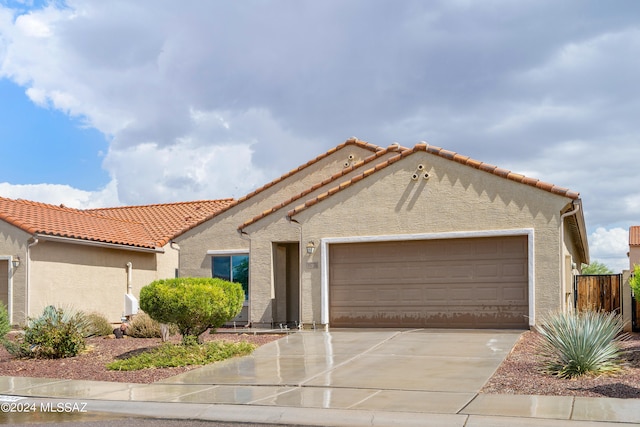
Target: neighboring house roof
165 221
137 226
59 221
486 167
634 235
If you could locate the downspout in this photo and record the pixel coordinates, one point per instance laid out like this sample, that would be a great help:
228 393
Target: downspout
28 279
576 208
129 278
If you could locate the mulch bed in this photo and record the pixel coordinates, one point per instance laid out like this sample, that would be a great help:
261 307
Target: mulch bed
520 374
91 365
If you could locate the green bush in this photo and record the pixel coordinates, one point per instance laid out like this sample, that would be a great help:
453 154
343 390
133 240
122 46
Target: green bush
5 325
55 334
586 342
171 355
143 326
634 282
193 304
98 325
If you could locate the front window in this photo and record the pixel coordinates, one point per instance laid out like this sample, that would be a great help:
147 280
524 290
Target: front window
233 268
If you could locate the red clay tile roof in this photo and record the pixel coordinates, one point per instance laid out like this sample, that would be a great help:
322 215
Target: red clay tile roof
165 221
143 226
486 167
59 221
345 171
634 235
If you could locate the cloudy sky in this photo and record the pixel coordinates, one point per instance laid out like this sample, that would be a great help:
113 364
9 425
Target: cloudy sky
120 102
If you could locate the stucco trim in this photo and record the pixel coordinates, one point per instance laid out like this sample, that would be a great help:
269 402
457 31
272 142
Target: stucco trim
228 252
324 257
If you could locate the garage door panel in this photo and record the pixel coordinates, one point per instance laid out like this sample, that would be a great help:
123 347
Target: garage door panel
438 283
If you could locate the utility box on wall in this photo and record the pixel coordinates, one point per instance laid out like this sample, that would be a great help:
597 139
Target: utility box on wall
130 305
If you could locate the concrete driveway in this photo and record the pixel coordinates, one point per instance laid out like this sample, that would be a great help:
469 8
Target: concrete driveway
420 370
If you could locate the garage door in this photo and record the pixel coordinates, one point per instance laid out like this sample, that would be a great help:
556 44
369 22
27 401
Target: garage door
449 283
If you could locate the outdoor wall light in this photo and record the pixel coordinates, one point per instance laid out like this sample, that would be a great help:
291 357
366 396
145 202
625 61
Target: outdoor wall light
15 262
311 247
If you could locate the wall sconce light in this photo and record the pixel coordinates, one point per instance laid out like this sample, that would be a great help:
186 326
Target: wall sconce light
311 247
15 262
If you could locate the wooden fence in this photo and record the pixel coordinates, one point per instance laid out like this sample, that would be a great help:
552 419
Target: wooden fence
598 292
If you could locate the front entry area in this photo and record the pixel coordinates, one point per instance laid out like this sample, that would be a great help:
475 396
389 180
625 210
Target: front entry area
286 307
444 283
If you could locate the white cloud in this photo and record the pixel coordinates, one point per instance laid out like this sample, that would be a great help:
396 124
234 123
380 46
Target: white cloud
610 246
62 195
31 26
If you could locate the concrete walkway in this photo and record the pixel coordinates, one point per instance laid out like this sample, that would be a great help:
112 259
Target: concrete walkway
338 378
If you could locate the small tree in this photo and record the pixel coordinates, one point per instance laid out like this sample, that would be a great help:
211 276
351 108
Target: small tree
596 267
193 304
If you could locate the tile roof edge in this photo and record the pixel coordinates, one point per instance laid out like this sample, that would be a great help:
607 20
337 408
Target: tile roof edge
495 170
351 141
353 180
334 177
449 155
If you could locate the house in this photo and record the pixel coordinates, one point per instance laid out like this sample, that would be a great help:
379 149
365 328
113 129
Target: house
365 236
87 259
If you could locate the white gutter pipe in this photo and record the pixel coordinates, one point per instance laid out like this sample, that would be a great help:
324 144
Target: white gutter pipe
129 278
576 208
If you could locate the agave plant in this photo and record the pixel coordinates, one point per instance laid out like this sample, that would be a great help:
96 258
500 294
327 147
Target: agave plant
586 342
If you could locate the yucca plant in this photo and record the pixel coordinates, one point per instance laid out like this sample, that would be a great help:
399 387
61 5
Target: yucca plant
586 342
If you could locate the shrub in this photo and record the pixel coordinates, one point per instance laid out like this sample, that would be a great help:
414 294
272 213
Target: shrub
193 304
98 325
5 325
143 326
579 343
55 334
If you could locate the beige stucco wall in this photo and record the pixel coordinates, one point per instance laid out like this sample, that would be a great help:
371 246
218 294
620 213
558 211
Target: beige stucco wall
456 198
90 278
13 242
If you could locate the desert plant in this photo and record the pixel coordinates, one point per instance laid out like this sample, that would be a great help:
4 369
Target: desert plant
143 326
193 304
55 334
98 325
584 342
